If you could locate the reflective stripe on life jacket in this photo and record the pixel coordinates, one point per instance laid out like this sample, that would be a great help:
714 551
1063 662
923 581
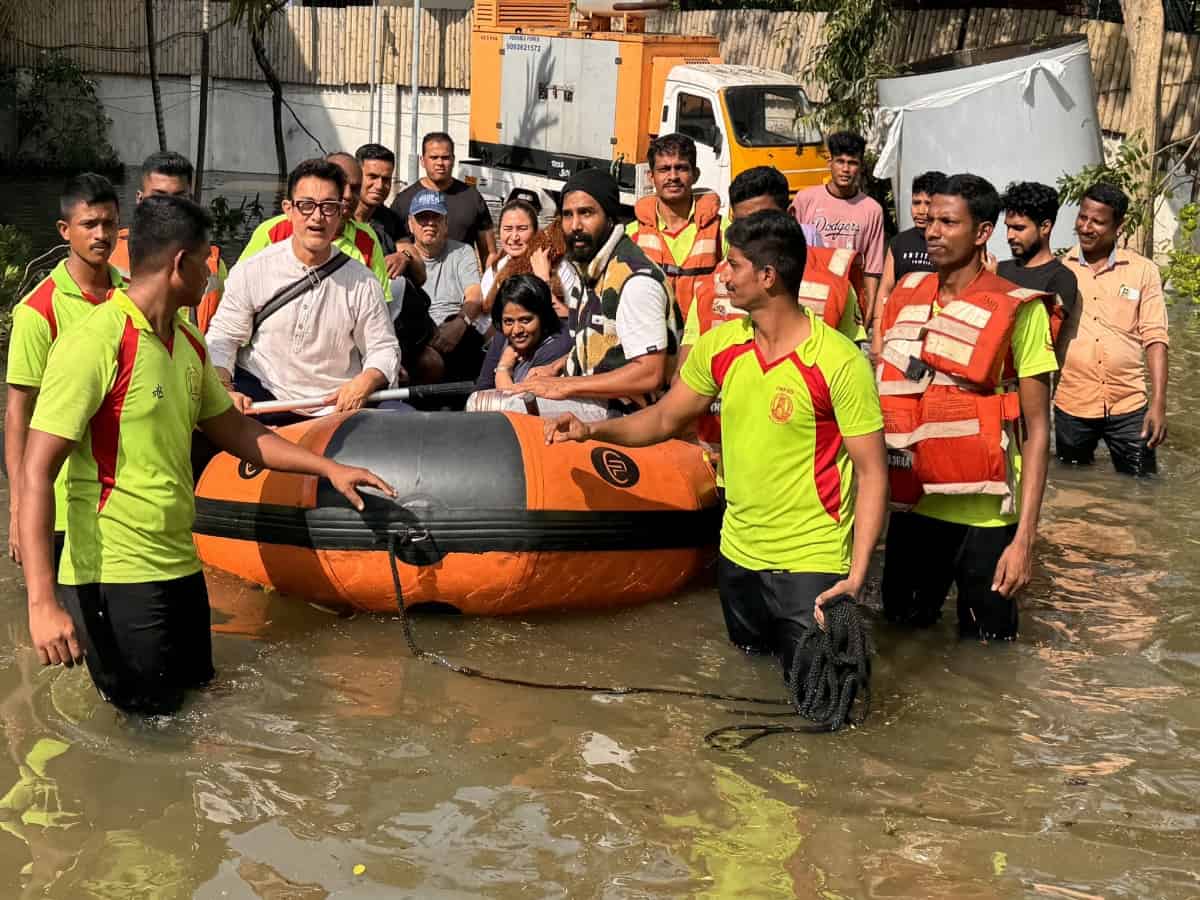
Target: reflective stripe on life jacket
826 285
685 278
947 429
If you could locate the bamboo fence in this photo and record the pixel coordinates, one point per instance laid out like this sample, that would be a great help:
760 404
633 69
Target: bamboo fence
333 47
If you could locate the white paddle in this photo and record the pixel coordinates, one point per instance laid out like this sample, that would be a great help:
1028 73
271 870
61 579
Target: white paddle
416 392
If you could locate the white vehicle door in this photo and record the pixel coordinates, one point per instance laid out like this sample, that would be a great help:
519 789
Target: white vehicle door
697 113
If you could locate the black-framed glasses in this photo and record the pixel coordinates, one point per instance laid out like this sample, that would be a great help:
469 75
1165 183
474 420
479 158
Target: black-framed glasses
329 208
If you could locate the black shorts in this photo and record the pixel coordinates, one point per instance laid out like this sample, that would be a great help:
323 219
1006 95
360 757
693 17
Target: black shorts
1075 441
145 644
924 556
769 611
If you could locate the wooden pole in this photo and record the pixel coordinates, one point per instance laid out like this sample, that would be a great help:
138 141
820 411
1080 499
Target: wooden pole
1144 27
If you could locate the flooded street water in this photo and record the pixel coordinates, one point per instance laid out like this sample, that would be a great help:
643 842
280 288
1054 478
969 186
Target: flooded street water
1066 765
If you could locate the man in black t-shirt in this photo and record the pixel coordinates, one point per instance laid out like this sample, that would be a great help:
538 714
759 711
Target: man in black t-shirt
906 251
1030 210
469 220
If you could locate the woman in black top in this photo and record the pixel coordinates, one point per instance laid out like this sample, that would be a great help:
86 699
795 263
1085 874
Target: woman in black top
529 333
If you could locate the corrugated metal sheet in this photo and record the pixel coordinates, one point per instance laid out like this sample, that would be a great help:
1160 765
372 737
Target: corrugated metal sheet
306 45
325 46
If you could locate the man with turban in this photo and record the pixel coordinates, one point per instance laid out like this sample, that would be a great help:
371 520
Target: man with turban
623 320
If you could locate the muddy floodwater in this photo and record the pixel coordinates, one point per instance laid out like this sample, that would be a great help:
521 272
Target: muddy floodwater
326 762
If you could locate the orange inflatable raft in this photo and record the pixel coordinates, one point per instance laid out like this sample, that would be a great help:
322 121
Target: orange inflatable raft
488 519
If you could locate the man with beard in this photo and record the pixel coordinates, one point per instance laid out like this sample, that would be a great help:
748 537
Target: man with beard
622 319
1118 329
964 381
1030 210
676 228
86 278
805 465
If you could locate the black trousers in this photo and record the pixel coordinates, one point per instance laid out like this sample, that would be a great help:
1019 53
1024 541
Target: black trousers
924 556
145 644
769 611
1075 441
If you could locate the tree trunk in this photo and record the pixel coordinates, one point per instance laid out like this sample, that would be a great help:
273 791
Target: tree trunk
264 63
1144 32
202 123
152 55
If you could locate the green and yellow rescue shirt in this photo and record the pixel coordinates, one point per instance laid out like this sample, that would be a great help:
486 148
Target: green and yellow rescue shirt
131 403
50 309
788 478
358 241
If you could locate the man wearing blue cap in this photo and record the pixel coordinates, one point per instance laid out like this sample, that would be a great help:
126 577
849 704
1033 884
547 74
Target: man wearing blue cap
452 283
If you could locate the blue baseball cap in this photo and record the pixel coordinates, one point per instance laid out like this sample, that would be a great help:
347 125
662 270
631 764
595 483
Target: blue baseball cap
428 201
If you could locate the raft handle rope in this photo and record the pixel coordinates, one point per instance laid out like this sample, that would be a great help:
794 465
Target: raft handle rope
838 672
395 540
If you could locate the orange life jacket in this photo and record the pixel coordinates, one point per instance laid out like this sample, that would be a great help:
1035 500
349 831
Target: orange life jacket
200 315
826 285
702 260
950 415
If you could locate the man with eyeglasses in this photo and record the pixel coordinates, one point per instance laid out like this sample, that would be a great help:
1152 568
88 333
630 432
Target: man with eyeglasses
356 239
332 337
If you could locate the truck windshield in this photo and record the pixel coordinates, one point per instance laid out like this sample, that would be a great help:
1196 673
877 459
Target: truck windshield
770 116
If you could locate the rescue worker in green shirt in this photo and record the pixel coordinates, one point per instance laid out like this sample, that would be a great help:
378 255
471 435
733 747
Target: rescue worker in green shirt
89 217
121 396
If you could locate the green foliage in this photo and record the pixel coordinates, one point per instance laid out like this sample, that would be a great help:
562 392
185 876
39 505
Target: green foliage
847 64
15 250
1130 171
234 221
850 61
60 119
1181 274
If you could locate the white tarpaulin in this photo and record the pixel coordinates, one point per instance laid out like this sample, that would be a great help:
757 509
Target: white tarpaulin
1030 117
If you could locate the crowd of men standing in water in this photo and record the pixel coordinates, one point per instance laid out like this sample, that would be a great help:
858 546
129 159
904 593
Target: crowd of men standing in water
612 332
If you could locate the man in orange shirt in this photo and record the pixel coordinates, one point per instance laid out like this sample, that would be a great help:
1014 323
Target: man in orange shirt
1116 331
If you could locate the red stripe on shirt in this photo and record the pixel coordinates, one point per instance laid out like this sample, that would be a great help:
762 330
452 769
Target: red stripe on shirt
281 232
723 361
41 301
828 440
106 423
197 344
365 244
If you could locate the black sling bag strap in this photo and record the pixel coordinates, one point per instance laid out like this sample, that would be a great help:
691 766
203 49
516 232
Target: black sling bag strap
289 292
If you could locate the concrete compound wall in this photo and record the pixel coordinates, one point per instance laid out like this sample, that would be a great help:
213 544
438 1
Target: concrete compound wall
240 137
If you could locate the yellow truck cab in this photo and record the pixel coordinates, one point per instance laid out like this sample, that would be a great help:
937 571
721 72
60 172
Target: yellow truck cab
548 99
741 117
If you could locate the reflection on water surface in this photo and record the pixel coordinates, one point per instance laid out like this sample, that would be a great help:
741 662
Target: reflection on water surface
1064 766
